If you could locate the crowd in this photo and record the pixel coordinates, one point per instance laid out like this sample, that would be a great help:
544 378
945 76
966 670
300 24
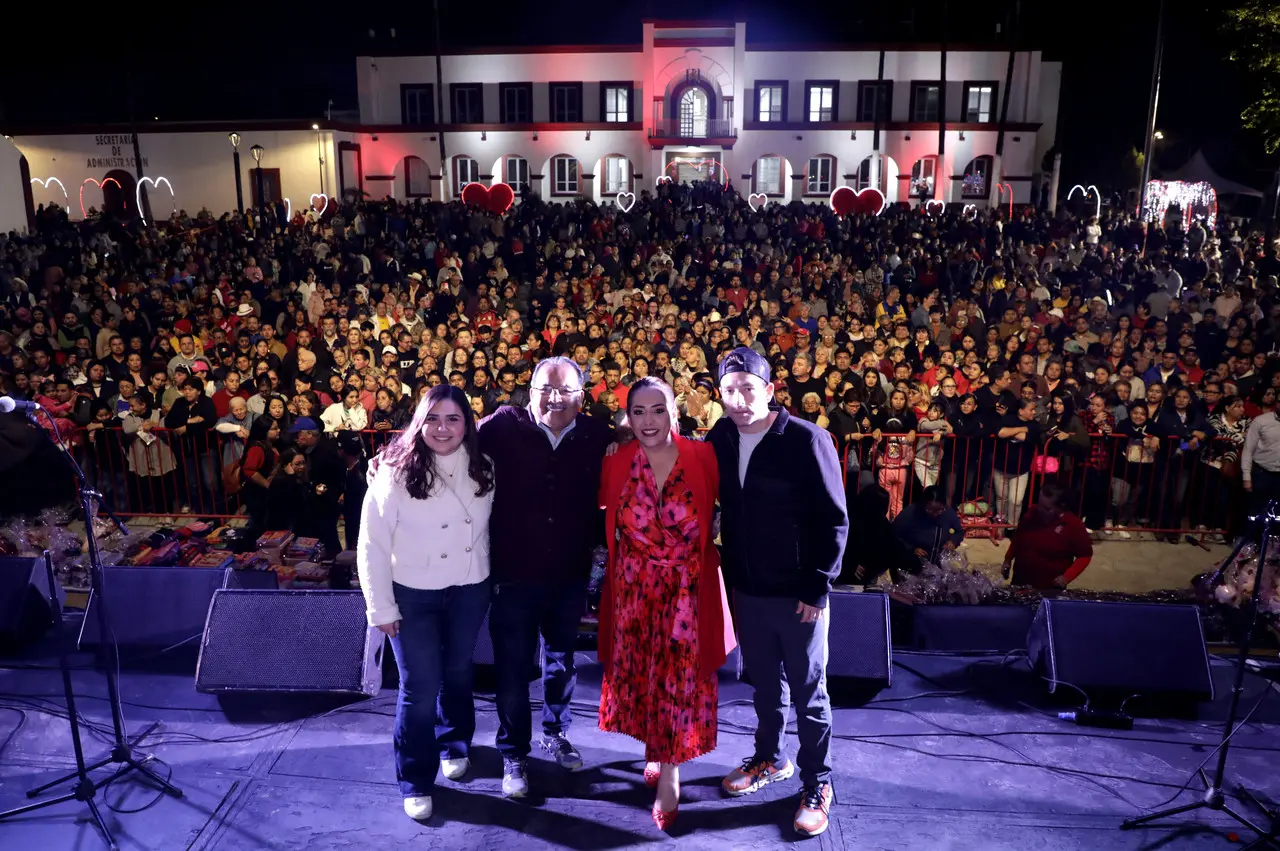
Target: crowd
207 363
519 373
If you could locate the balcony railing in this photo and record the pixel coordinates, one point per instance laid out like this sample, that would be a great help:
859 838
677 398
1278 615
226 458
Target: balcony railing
694 128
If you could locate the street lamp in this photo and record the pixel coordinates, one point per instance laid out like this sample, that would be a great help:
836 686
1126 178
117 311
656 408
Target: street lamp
257 151
1158 135
234 138
319 155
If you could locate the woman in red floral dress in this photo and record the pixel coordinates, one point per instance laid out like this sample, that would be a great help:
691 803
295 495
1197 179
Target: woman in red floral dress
665 627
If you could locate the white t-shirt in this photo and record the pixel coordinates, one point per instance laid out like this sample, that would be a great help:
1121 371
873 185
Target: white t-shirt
747 444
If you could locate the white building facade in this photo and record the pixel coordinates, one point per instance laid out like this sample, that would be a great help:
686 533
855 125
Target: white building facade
692 100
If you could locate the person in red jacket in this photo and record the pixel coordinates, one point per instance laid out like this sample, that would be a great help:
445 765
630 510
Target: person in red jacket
665 624
1051 547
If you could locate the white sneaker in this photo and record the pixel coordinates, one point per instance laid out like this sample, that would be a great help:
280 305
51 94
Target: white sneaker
419 808
455 769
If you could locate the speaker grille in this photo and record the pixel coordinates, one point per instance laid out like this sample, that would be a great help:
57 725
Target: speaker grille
858 638
292 641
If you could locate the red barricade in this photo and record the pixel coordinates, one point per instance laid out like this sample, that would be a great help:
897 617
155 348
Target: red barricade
1112 484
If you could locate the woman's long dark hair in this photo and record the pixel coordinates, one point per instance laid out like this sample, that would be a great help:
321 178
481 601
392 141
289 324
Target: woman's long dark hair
415 461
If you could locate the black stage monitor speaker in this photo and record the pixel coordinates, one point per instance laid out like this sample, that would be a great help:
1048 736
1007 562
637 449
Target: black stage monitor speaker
289 641
24 600
153 607
1099 648
858 642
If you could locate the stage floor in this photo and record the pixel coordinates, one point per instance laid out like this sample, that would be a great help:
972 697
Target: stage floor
961 753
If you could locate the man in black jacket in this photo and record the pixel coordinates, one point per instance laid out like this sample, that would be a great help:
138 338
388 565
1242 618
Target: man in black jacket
784 525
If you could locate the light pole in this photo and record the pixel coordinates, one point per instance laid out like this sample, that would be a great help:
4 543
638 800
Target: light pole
234 138
1149 143
319 155
257 151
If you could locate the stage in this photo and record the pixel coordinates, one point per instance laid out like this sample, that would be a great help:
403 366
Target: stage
962 752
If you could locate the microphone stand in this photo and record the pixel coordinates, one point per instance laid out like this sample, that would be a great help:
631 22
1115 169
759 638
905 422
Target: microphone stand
1214 798
122 750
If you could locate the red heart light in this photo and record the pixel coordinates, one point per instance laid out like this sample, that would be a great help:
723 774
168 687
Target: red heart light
869 201
95 182
843 200
497 199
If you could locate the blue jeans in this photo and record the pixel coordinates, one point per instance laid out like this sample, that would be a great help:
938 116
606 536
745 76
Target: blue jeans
435 714
520 613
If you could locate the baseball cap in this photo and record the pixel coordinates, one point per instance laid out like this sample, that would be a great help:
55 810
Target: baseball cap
303 424
743 359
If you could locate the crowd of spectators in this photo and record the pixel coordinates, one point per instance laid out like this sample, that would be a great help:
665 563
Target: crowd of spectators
211 362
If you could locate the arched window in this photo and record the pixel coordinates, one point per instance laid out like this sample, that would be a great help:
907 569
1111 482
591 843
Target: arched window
615 174
417 178
693 112
820 177
465 171
769 174
977 178
516 172
867 176
923 177
564 176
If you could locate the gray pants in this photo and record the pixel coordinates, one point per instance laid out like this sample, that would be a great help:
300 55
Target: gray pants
787 660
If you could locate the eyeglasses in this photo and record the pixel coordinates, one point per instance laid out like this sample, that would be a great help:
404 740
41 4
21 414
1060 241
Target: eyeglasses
563 392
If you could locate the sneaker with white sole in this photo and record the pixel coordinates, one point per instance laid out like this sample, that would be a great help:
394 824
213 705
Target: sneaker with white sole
455 769
814 813
755 774
418 808
515 777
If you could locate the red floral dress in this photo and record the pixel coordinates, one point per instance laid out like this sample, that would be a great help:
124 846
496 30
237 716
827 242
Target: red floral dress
651 691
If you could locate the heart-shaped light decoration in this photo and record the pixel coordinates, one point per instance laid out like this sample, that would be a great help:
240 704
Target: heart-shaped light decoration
625 201
969 211
313 198
665 178
756 201
496 199
934 207
870 201
1002 188
45 183
843 199
137 193
288 210
1085 190
94 181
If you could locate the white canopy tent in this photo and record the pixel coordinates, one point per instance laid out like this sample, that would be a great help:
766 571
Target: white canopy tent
1197 169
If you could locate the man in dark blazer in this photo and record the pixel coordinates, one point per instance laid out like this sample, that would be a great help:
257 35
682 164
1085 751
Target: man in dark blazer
784 527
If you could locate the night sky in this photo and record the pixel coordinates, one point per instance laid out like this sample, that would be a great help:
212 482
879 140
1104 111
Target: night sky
232 62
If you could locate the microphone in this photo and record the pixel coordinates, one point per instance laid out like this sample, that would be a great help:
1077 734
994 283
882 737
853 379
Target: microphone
8 405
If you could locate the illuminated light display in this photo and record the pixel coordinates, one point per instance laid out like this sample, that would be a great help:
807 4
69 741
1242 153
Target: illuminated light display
137 193
313 198
932 204
969 211
697 166
1085 190
288 210
756 201
94 181
1161 195
629 198
663 179
1002 189
45 183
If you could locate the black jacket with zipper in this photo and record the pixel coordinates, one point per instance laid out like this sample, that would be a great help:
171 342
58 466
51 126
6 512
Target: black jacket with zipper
783 534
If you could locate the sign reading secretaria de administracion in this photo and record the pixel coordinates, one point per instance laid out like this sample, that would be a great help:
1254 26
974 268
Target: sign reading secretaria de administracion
117 144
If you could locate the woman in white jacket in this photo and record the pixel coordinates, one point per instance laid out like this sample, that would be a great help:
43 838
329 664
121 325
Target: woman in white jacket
345 414
423 558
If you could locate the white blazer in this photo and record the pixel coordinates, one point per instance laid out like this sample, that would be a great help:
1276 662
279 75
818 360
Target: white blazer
430 544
